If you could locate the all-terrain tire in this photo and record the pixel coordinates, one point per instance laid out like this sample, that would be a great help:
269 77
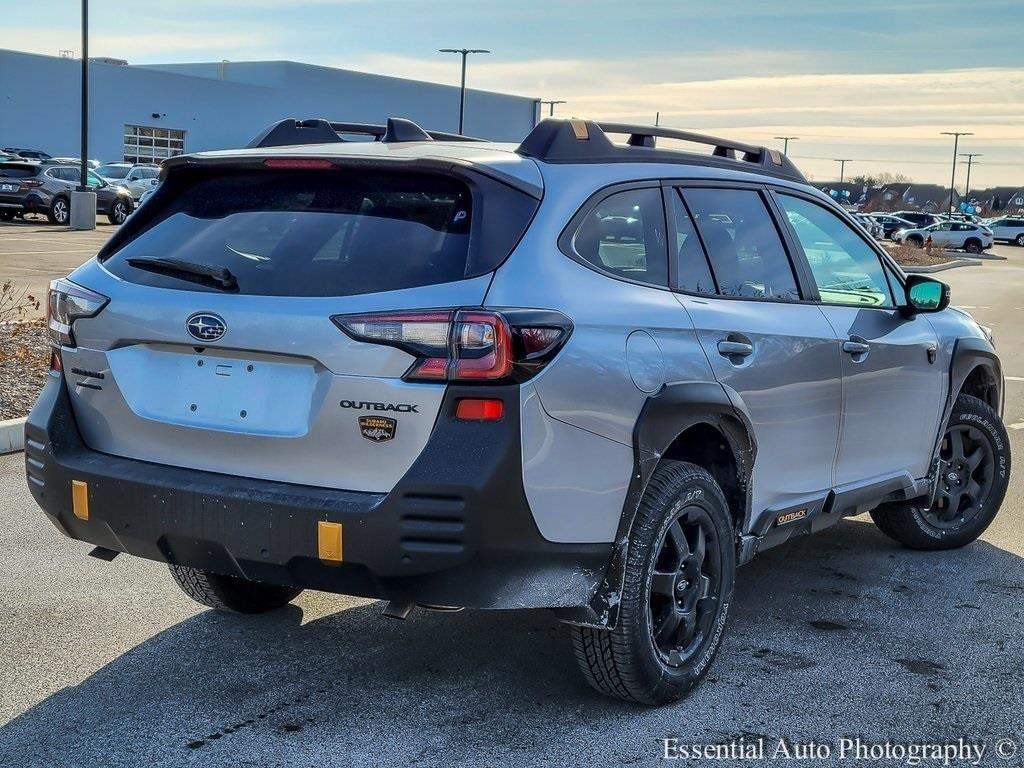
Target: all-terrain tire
912 525
230 593
624 662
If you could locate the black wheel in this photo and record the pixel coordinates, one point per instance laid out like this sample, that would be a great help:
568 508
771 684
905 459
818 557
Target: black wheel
972 246
119 211
680 571
230 593
7 215
974 470
60 211
1020 240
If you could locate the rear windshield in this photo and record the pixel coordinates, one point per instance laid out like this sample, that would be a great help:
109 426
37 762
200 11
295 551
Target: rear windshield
308 233
113 171
18 171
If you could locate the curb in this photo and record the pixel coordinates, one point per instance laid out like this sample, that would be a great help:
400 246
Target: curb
12 435
925 269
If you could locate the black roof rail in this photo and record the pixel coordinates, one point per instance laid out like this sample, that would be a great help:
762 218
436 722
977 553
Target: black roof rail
581 141
289 132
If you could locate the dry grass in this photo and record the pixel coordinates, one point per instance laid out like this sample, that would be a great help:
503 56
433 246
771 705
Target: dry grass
24 362
912 256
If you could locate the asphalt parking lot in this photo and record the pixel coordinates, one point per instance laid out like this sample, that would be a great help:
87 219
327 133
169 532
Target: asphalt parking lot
843 634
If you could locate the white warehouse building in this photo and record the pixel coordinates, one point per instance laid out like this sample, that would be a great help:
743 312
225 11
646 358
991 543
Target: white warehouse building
146 113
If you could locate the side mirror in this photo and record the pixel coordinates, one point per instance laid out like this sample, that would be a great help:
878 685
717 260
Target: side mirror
925 294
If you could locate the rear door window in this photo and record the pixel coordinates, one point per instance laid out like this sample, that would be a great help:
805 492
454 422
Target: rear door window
746 251
325 233
693 274
624 235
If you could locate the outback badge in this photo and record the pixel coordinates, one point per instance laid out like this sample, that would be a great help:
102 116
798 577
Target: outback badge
377 428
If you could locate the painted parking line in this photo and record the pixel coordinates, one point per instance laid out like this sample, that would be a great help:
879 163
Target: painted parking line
1018 425
1014 378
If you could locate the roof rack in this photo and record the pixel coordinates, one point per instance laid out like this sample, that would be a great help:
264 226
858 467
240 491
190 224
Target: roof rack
289 132
584 141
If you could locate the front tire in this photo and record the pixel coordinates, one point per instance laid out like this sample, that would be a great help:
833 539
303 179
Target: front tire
230 593
972 246
1020 240
60 211
680 571
119 211
974 473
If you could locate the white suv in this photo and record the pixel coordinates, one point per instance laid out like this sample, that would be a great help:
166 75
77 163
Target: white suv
973 238
1009 229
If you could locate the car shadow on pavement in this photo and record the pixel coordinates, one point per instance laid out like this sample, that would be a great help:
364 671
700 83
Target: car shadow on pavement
842 632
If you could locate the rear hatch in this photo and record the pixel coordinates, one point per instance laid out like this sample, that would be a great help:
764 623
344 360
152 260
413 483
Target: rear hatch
217 349
16 179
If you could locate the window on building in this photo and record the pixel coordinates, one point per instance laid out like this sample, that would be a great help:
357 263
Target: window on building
144 144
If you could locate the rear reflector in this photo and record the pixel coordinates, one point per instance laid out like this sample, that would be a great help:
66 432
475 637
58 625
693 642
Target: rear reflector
80 499
329 541
473 409
307 163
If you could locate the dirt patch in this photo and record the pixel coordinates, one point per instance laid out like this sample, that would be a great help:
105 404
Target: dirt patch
24 363
912 256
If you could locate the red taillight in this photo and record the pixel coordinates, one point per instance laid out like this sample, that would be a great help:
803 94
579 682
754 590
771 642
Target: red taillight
462 345
473 409
31 183
298 163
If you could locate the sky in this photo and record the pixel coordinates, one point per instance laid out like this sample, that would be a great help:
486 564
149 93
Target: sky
870 80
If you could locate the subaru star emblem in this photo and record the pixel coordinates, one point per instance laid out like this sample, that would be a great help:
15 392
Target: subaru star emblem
205 326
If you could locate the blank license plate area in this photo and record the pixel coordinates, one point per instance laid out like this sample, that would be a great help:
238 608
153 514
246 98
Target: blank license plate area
219 393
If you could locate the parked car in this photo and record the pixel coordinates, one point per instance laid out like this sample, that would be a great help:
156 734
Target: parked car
892 224
333 366
136 178
972 238
1008 229
27 154
31 187
873 227
917 218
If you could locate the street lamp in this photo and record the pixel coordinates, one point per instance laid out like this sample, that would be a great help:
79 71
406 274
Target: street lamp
842 168
462 91
970 160
551 106
956 144
83 202
786 140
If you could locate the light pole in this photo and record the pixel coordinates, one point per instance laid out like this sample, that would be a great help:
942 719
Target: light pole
956 144
842 168
786 140
82 214
551 106
462 90
970 161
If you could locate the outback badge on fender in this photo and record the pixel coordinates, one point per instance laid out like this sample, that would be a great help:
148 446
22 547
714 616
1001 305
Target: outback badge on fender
377 428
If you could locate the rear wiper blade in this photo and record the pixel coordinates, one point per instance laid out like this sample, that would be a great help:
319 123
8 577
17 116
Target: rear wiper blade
220 275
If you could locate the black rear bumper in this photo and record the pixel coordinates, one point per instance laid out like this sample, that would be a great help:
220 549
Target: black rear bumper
455 531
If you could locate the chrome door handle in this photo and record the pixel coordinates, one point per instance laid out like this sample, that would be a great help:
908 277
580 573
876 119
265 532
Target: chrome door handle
856 348
735 349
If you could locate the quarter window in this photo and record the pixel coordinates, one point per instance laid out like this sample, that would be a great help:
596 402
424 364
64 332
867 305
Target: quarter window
845 268
743 244
625 236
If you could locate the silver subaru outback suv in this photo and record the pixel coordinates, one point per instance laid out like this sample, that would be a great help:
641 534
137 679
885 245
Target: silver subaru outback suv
581 374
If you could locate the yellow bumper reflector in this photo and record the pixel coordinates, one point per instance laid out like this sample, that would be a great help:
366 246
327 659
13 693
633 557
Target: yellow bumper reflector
80 499
329 541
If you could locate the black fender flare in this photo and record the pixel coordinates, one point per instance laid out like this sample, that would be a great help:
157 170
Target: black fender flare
968 354
666 415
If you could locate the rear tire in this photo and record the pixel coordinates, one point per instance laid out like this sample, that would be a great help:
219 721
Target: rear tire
969 495
973 246
60 211
680 572
230 593
1020 240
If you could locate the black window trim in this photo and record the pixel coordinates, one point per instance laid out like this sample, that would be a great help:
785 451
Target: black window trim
801 271
566 240
892 269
